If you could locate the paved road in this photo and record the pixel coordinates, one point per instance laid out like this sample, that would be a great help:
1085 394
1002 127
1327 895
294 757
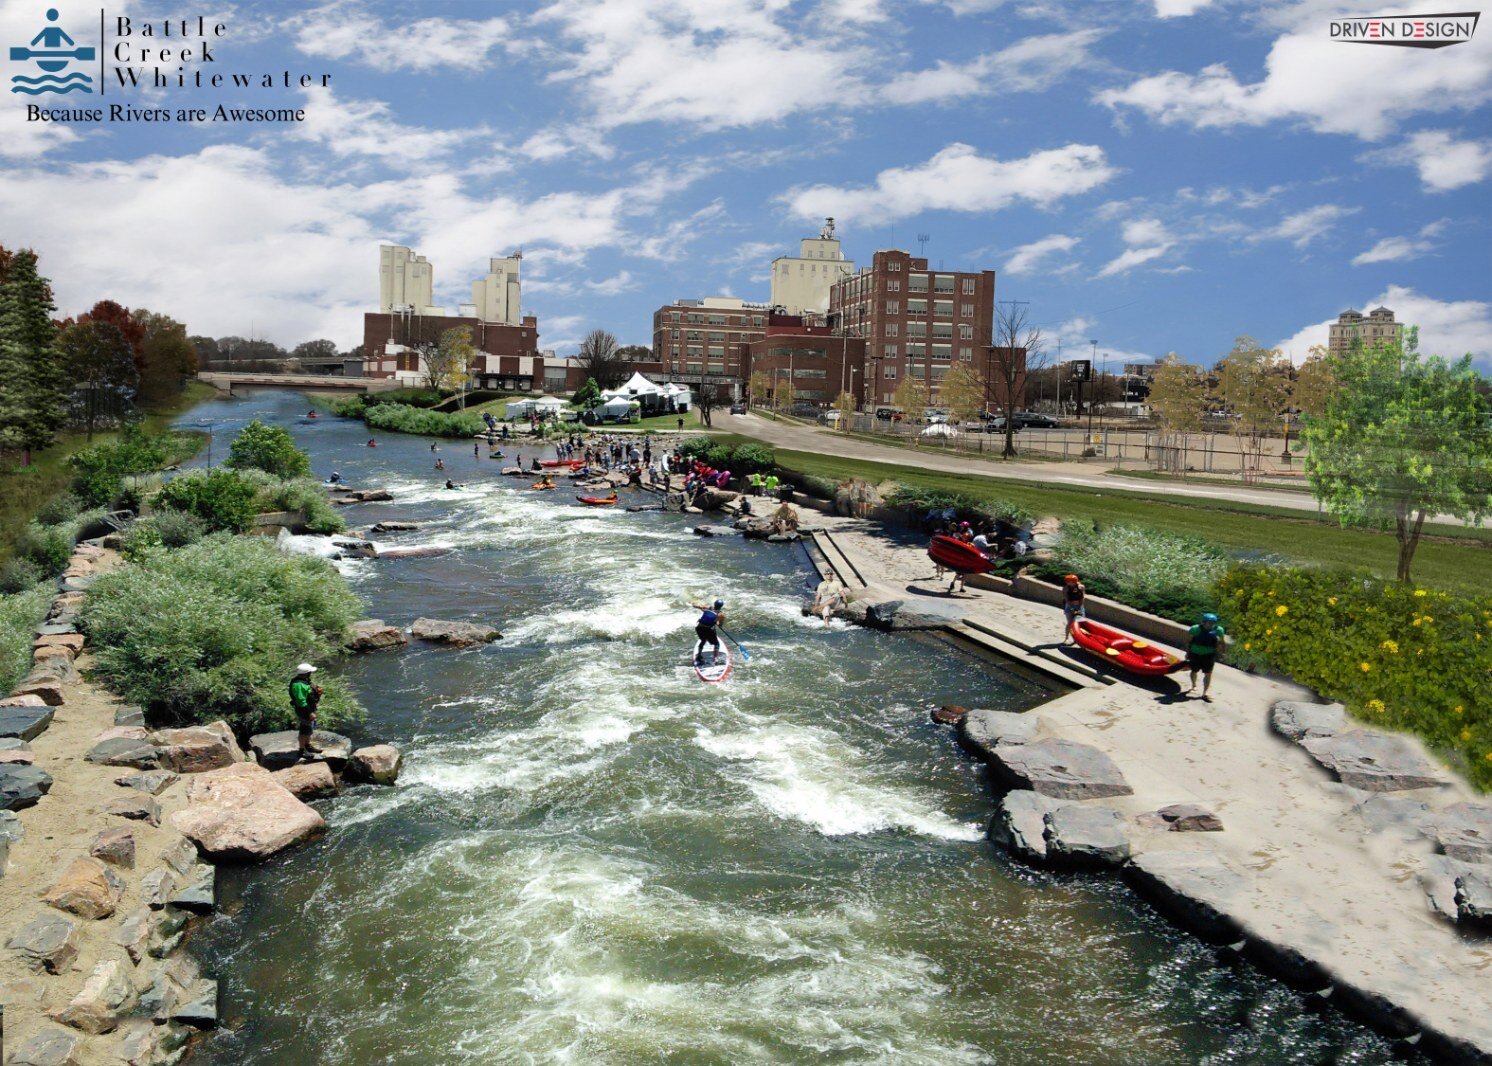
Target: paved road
827 442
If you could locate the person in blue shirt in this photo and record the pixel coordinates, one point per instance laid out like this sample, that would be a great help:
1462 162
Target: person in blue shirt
710 617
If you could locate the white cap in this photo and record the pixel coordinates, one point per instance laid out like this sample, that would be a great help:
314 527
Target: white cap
305 668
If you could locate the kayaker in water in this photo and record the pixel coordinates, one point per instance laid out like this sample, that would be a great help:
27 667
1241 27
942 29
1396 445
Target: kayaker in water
704 629
1074 604
1201 653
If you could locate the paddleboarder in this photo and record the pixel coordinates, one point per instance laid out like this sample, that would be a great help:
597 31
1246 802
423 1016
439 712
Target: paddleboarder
705 629
1201 653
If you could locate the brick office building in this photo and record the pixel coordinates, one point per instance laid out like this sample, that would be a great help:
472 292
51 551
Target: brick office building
914 321
819 364
508 356
702 340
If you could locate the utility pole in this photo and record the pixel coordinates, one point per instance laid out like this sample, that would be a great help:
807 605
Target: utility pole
1095 393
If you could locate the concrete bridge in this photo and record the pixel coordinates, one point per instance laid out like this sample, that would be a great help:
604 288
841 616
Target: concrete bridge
238 380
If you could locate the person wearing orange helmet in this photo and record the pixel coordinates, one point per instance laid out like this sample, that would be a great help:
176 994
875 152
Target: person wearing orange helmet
1074 604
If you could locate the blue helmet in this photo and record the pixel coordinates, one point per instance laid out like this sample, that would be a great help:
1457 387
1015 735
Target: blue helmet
1210 617
719 604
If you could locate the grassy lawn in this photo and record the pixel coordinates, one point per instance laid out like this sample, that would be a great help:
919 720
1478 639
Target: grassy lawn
23 490
1449 557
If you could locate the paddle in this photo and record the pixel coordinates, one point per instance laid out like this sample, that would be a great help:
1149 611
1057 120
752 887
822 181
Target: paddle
745 655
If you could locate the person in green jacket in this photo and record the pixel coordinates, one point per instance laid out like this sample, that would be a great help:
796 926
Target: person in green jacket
305 697
1201 652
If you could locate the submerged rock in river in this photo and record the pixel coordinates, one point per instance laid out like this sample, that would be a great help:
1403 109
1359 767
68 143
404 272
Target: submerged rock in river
373 634
457 633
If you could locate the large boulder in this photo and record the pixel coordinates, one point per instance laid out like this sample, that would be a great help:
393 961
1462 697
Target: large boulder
197 749
48 1047
22 786
1078 835
46 943
457 633
306 781
104 998
44 684
1374 762
86 888
241 813
276 751
124 751
25 722
1300 720
1020 824
982 730
1464 831
922 613
377 764
373 634
1063 769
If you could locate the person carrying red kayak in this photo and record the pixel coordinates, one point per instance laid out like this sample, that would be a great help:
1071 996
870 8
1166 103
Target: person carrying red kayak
1074 604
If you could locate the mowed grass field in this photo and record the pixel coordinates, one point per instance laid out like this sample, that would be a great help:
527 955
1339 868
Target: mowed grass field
1449 557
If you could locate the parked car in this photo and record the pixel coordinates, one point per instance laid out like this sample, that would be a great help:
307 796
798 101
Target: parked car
1031 420
831 418
738 408
803 410
888 414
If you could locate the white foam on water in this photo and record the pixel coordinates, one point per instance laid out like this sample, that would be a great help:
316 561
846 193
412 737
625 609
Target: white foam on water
809 775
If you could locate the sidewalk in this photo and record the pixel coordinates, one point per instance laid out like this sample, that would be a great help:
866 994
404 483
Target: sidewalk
1324 879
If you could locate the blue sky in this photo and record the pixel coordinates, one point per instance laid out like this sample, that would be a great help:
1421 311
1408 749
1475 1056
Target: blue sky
1157 176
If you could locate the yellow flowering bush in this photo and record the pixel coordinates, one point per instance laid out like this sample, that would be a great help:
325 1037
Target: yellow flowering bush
1369 644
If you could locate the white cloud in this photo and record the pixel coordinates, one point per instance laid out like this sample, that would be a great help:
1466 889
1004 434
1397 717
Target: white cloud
1444 163
1451 328
1397 249
1147 239
1329 86
20 139
368 128
618 283
958 178
1168 9
1030 258
1030 65
429 45
1303 227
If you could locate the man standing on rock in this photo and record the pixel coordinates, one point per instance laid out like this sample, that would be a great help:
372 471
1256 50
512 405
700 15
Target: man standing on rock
304 699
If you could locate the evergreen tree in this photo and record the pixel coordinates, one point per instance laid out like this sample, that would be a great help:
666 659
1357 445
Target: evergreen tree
31 375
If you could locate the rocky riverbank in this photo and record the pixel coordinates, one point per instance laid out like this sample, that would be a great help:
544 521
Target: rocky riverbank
108 838
1343 860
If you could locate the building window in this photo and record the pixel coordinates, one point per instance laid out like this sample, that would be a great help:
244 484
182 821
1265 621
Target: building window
942 351
889 371
939 373
943 283
916 351
916 370
893 307
966 354
893 285
894 265
892 329
891 351
917 283
916 307
965 333
806 372
943 330
916 329
968 286
966 310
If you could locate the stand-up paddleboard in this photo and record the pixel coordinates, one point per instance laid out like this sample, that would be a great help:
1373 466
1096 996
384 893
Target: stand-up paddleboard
717 671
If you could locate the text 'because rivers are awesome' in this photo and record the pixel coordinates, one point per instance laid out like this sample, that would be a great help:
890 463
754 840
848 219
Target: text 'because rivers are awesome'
126 113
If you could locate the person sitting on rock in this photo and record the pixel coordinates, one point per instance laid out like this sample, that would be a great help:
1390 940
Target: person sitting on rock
785 519
828 598
304 699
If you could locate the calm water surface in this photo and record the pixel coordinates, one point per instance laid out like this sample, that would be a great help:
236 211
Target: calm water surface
594 858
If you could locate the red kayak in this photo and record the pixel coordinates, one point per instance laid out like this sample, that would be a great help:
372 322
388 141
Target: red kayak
958 556
599 501
1124 651
573 464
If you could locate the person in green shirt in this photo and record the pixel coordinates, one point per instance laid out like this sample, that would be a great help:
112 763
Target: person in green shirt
305 697
1201 652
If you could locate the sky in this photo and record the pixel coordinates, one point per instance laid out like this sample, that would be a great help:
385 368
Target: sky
1156 176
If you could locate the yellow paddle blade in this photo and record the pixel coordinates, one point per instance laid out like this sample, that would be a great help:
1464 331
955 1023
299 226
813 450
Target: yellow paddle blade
1111 651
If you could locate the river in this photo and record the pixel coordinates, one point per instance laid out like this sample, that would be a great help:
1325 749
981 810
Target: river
594 858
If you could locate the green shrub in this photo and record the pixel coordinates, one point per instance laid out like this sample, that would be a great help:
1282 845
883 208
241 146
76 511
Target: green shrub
297 494
49 547
214 630
177 529
20 612
268 448
1398 656
59 509
142 537
222 499
348 407
752 459
99 472
19 575
1165 574
923 501
695 447
401 418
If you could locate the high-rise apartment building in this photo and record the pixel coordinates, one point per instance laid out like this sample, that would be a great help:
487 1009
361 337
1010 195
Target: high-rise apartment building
405 280
1377 327
916 321
801 284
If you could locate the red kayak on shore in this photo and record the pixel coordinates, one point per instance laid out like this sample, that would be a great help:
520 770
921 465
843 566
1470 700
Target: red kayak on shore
1123 650
599 501
573 464
958 556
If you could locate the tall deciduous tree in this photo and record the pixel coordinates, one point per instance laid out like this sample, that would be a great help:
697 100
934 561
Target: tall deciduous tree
1178 396
1314 384
962 392
1402 439
844 403
1016 352
448 361
588 395
167 357
1253 384
911 396
100 366
600 357
31 376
